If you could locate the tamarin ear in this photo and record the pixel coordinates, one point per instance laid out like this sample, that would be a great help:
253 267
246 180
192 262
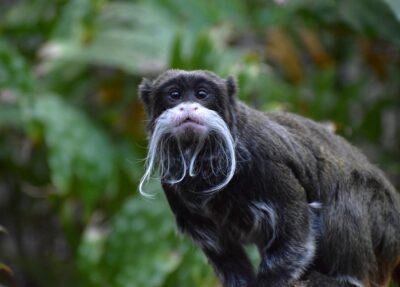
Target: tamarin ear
145 89
231 86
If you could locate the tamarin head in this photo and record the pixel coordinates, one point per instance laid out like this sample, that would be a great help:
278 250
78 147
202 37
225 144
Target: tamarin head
191 126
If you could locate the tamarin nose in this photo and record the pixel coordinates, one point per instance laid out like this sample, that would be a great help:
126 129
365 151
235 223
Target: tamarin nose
192 107
189 107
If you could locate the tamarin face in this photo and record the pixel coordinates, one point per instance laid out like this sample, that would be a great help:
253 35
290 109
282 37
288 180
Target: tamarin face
191 115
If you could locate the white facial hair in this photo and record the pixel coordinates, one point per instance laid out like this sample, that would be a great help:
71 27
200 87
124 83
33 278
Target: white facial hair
163 136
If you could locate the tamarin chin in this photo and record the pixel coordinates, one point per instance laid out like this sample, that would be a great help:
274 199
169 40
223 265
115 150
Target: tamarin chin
318 211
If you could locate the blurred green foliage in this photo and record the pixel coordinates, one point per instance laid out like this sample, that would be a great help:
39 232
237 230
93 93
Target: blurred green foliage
72 141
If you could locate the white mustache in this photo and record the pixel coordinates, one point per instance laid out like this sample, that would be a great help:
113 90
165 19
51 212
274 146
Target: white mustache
162 140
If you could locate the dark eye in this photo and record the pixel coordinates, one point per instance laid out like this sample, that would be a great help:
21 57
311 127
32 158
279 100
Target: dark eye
175 95
201 94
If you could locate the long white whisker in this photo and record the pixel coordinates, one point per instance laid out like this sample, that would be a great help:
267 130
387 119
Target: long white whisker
184 167
212 159
223 161
160 130
199 146
161 159
149 164
219 125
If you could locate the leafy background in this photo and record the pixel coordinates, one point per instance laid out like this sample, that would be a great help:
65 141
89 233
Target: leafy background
72 142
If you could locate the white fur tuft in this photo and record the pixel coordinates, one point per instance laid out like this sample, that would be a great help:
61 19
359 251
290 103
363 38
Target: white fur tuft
161 139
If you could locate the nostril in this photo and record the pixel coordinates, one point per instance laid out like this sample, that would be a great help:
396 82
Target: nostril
196 108
181 109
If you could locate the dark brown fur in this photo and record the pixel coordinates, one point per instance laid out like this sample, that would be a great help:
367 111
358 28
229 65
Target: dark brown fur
297 187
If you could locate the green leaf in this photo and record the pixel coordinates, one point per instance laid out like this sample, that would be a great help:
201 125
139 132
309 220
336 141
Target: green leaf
177 59
394 5
10 116
73 20
372 18
123 36
140 249
372 121
80 157
14 71
203 55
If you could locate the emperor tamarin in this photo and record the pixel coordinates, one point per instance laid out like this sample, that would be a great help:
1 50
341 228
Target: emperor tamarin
309 201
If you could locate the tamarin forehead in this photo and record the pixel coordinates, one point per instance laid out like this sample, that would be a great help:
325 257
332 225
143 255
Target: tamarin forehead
181 76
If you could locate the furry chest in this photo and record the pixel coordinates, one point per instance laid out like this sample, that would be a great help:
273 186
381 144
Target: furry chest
250 223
